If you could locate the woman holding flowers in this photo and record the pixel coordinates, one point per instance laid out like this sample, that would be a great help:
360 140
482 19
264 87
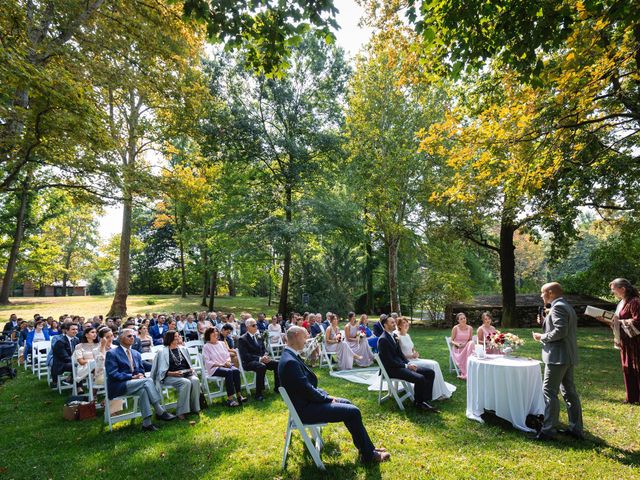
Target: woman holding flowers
485 331
357 341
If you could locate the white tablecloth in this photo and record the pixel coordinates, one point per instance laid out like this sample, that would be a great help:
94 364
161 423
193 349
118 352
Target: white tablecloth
510 386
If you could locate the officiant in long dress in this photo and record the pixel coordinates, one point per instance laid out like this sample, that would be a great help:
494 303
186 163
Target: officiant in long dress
628 328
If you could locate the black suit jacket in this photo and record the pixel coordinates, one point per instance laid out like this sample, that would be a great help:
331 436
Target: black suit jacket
250 351
390 353
300 382
378 329
62 352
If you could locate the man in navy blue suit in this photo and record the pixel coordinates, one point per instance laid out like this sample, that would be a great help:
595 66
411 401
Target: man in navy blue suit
158 330
315 329
63 351
397 366
125 376
314 405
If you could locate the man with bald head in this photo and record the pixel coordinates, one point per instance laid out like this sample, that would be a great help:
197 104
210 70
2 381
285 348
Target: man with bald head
314 405
560 355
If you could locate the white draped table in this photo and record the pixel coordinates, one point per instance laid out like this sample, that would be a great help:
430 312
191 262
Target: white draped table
510 386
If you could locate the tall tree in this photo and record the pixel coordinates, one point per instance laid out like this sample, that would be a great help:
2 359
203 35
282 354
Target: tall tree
389 174
288 128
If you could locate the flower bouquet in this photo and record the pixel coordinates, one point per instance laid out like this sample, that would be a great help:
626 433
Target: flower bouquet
504 342
360 335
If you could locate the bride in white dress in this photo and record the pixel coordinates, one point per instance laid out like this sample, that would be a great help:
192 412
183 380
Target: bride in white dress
441 389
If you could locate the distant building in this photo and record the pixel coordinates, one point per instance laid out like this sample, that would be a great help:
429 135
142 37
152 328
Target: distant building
55 289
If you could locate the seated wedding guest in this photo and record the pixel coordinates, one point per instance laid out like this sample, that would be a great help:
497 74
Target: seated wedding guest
203 323
275 331
462 342
172 368
62 352
182 321
335 343
441 389
105 337
158 330
244 316
172 325
226 333
38 334
191 328
314 325
364 327
358 344
54 329
327 320
217 363
314 405
54 339
86 351
12 325
146 340
255 359
125 375
29 327
304 323
378 330
484 331
398 366
137 345
262 322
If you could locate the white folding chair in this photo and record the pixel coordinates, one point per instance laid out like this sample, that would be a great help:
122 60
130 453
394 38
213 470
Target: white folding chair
452 364
325 355
39 352
195 343
393 386
275 348
156 348
294 423
246 384
148 357
131 414
219 382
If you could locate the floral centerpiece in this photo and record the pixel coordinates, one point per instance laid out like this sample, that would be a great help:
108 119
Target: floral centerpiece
504 342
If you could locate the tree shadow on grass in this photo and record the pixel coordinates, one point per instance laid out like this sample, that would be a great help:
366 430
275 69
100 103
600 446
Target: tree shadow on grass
563 442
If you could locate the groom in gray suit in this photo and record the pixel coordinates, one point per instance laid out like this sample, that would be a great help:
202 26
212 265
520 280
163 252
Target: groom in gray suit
560 355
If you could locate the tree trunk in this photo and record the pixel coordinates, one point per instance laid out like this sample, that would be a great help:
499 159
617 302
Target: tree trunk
119 305
283 306
183 282
392 249
213 286
205 282
507 272
368 276
7 280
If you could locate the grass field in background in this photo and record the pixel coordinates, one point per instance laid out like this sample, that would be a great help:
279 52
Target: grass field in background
89 306
246 443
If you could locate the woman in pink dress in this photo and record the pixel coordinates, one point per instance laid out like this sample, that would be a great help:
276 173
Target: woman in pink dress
462 341
358 342
484 331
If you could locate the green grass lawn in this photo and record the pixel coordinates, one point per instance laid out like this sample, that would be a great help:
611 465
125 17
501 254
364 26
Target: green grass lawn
246 443
89 306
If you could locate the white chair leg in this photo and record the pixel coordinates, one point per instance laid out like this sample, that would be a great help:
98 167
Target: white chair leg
315 454
287 441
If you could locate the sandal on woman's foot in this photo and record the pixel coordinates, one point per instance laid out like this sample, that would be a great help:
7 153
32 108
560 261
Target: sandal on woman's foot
232 403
